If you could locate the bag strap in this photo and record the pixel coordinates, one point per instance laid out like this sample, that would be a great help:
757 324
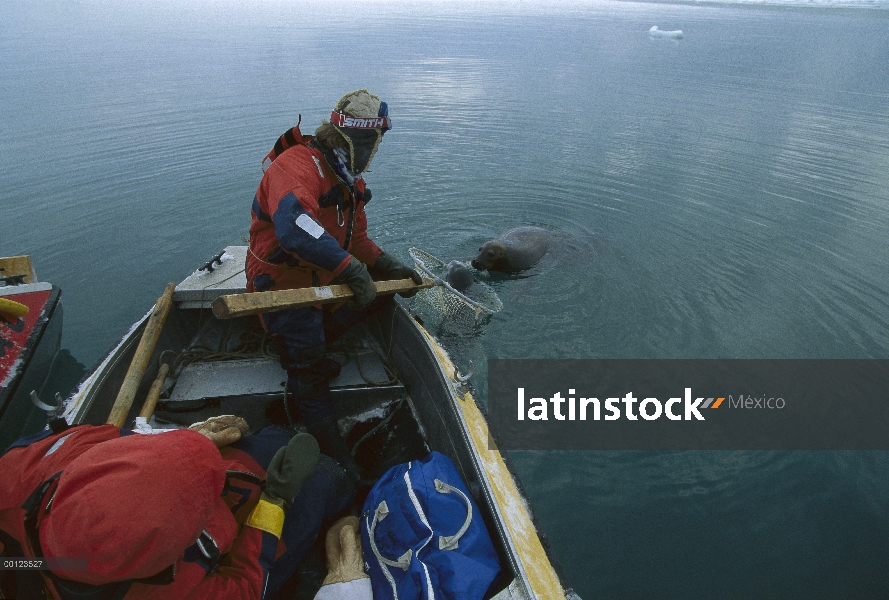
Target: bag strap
404 560
288 139
402 563
450 542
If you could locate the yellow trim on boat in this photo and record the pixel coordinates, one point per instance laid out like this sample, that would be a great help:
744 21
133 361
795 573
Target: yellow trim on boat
11 266
539 571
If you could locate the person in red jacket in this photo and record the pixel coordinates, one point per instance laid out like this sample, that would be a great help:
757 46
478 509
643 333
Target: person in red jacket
162 516
309 228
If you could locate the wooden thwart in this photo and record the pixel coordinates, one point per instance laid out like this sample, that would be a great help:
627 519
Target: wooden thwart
238 305
12 266
131 382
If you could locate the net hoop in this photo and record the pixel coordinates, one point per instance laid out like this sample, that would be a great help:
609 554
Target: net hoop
431 267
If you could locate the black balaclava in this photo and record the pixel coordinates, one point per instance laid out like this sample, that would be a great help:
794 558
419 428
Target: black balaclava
361 118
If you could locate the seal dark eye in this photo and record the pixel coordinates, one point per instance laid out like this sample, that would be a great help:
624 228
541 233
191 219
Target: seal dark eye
490 253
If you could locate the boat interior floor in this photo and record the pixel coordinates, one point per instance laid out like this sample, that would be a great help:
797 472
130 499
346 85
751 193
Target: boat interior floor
235 370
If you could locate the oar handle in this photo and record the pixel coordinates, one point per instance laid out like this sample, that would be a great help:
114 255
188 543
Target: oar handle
252 303
141 358
154 392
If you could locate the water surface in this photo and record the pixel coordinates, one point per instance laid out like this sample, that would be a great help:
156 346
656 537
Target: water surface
726 195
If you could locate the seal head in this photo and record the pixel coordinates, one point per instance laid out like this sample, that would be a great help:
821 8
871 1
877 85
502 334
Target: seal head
492 256
518 249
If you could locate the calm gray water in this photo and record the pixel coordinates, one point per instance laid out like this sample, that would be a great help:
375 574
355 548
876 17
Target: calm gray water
726 195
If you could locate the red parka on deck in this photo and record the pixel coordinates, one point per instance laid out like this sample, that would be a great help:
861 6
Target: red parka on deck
163 505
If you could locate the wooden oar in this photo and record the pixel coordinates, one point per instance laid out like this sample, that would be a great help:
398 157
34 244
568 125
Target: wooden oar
154 392
238 305
131 382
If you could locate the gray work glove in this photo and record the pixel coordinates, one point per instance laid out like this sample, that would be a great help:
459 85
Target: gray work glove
290 468
358 279
392 268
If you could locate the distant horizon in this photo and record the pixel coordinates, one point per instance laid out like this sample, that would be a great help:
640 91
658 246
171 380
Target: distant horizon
417 7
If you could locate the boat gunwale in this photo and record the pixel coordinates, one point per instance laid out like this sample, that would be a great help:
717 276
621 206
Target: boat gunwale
18 369
80 402
447 381
517 556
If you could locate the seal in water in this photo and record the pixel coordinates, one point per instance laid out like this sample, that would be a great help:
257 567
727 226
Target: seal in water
459 276
515 250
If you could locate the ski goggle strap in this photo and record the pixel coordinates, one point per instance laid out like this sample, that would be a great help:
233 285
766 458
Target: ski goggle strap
382 121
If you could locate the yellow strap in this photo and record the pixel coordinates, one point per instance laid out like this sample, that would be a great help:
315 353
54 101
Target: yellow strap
267 517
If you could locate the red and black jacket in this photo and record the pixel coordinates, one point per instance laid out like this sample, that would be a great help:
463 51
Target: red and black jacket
228 561
306 223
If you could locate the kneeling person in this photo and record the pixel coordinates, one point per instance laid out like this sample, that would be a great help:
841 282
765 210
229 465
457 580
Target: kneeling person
163 516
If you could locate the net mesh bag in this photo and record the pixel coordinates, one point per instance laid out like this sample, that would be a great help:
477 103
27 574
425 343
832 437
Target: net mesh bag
445 310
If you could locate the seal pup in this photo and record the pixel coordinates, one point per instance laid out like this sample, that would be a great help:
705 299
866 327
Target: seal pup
459 276
518 249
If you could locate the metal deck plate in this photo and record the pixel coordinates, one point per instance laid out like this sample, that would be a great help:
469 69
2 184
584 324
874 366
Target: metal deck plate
246 387
222 379
249 377
200 288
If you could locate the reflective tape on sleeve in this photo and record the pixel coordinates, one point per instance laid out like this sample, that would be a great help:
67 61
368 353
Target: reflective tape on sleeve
267 517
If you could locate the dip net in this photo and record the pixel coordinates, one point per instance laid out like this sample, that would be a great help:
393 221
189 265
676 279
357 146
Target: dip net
445 310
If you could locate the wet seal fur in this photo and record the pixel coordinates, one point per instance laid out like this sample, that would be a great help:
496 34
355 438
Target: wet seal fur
518 249
459 276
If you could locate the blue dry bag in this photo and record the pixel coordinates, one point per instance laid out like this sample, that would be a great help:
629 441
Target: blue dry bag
423 536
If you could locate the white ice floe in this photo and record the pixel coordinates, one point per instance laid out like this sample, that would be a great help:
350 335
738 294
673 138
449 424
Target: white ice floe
658 33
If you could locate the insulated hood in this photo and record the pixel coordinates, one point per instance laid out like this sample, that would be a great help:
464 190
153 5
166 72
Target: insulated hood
361 118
